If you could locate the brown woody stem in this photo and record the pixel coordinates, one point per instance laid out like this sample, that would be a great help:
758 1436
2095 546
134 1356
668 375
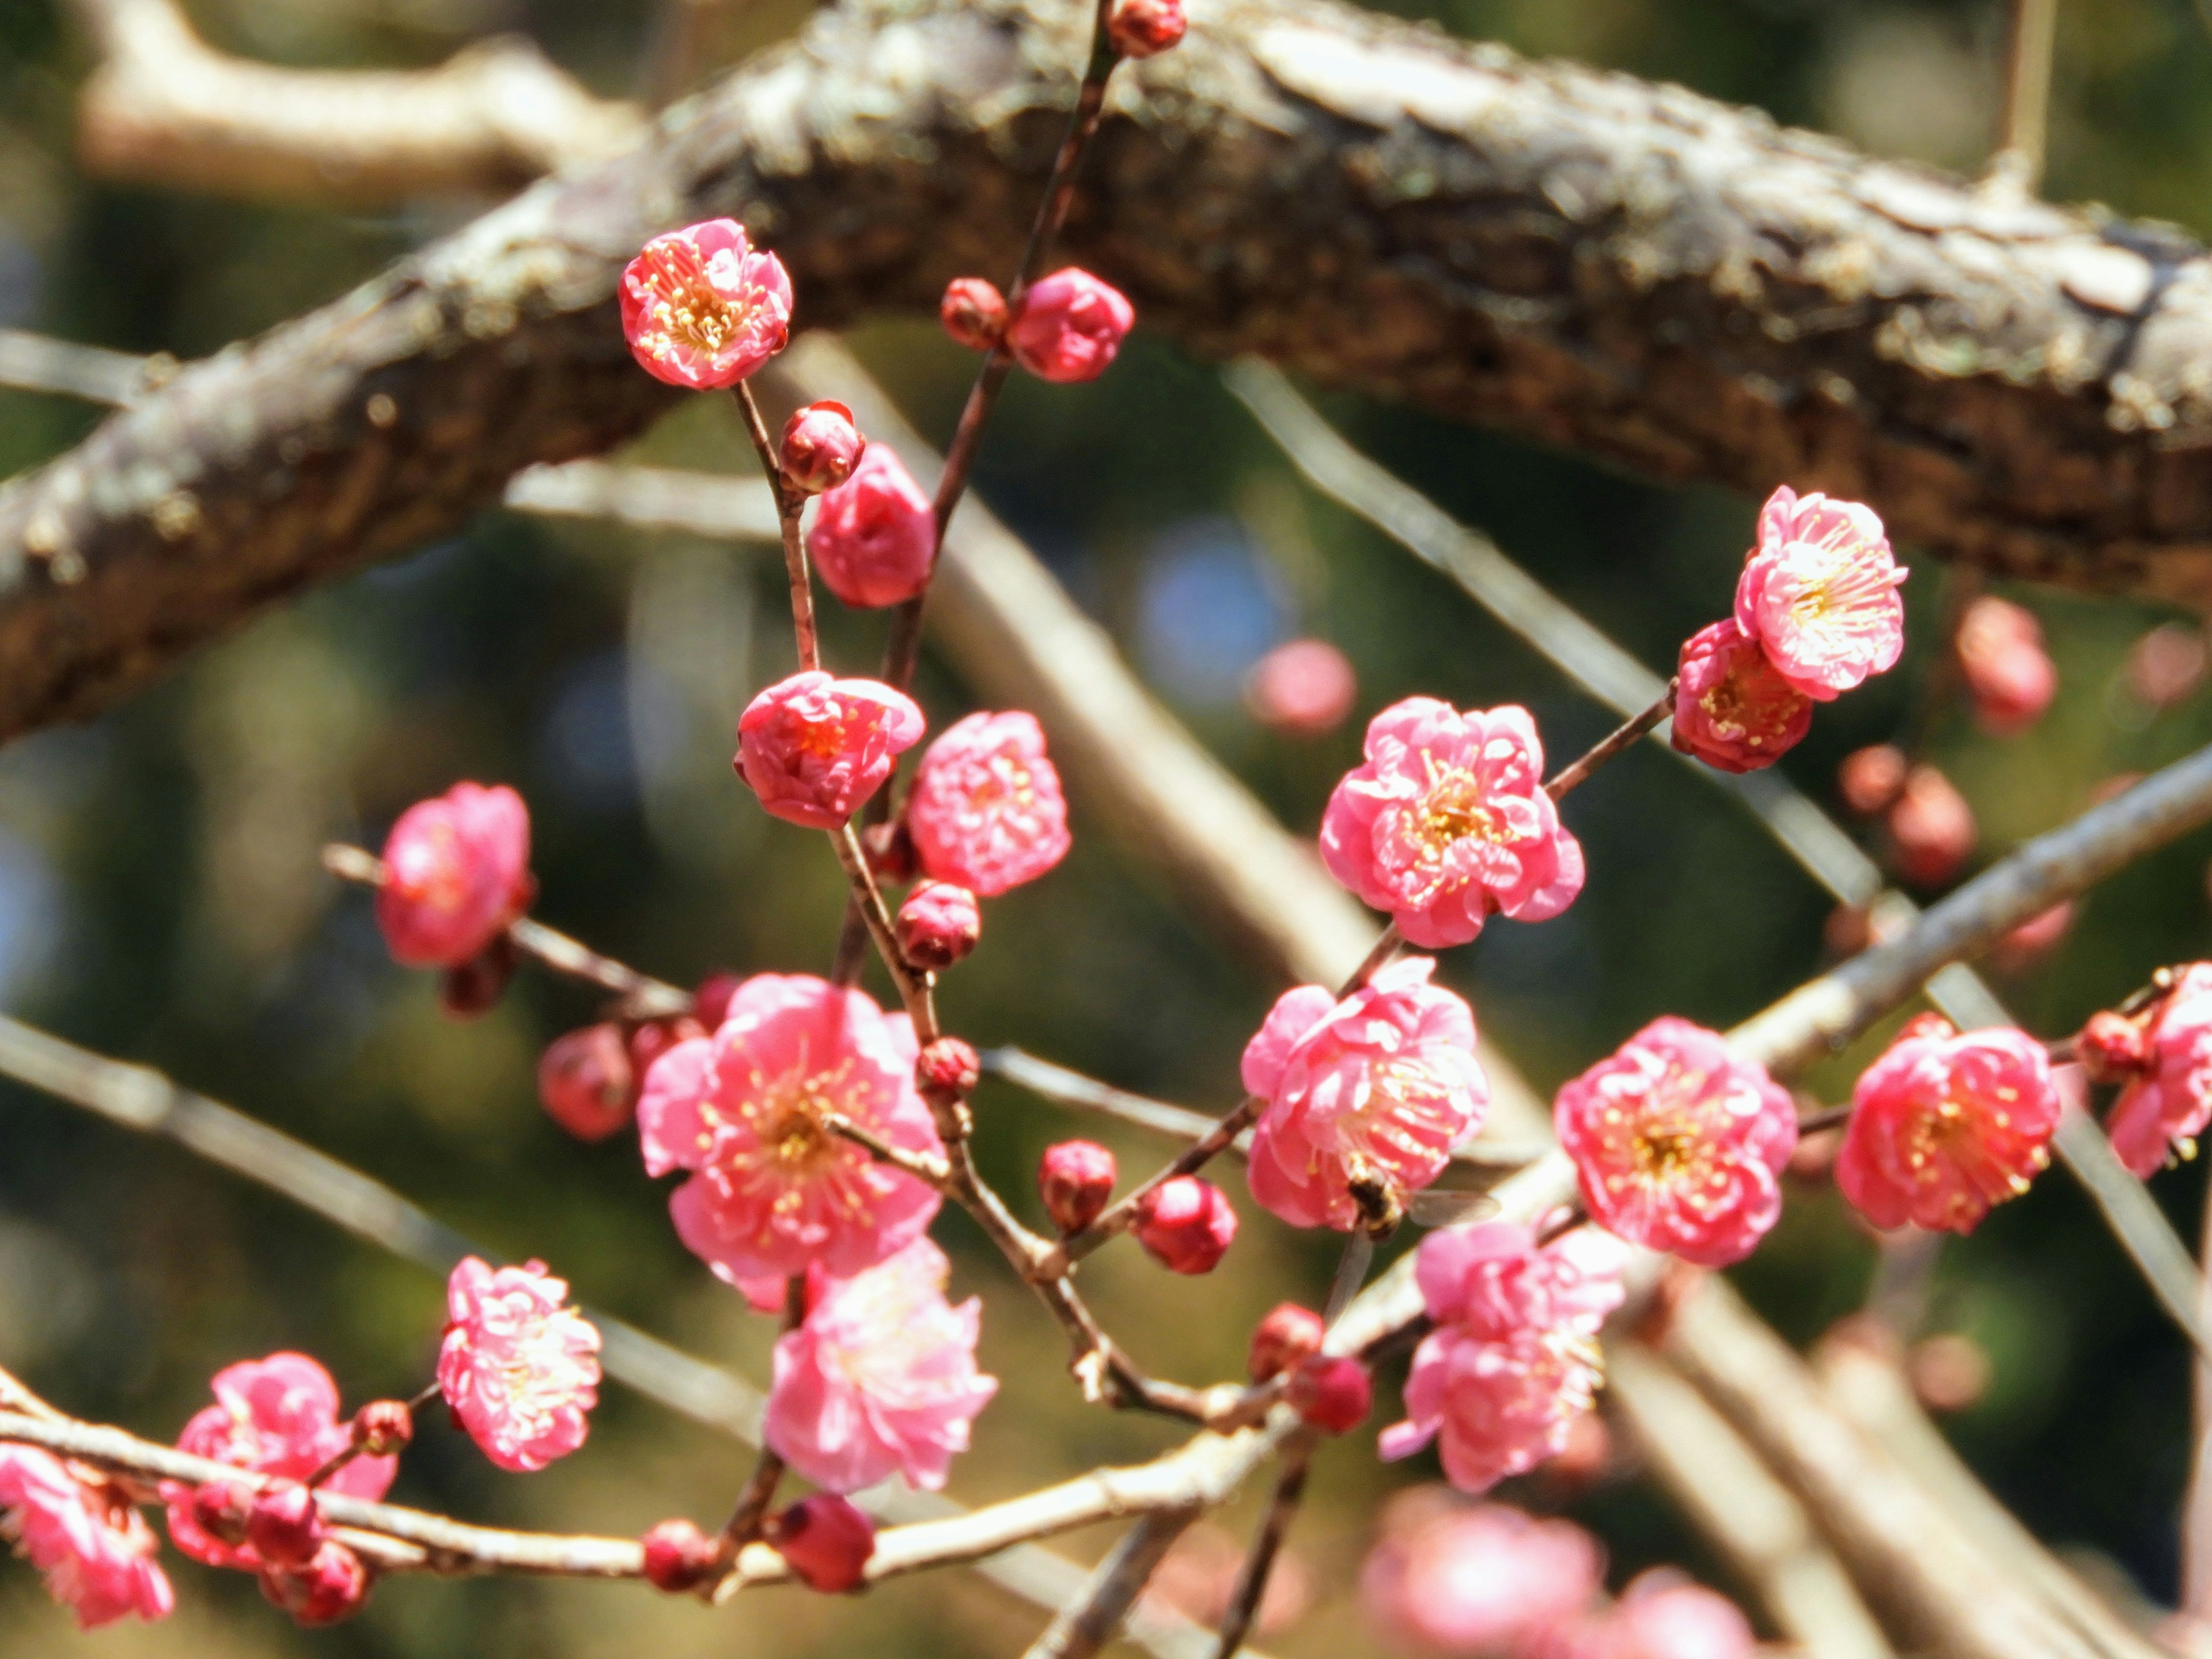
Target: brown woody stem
789 504
1614 742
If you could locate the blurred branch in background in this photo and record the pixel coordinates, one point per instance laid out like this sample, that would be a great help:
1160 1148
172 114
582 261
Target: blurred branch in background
2024 113
2013 384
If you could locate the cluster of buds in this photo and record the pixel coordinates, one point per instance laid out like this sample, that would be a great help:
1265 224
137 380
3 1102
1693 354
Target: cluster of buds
589 1079
1066 327
1930 827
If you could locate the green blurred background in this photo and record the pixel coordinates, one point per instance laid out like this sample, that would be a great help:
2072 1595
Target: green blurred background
161 899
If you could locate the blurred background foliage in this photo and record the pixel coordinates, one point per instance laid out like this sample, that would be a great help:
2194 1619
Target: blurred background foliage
160 897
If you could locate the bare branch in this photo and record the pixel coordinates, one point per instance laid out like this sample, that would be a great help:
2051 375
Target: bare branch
1089 1621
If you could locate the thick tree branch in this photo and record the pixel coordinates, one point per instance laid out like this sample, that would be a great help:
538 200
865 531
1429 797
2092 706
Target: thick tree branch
1577 256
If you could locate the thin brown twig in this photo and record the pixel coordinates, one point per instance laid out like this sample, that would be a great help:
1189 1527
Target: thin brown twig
1260 1564
790 503
745 1519
1388 945
1612 744
1089 1621
934 1172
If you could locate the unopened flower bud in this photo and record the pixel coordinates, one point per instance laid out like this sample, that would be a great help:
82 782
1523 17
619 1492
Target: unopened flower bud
1302 689
1871 778
889 851
710 1003
1075 1178
1145 28
283 1525
679 1556
973 313
220 1509
2166 665
2112 1048
938 924
1284 1340
653 1038
1931 829
383 1427
826 1540
476 985
587 1083
1185 1225
821 447
1332 1395
1949 1372
2008 672
331 1587
1070 326
948 1070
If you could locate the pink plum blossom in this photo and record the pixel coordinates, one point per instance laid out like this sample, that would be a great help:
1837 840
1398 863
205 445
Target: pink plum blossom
1302 689
1662 1614
520 1371
880 1377
1451 1578
94 1547
814 748
1513 1360
1069 326
1931 829
1679 1145
1819 592
2008 672
874 537
1732 710
1943 1126
700 309
328 1590
457 871
275 1416
1448 822
1373 1091
987 812
2169 1099
776 1190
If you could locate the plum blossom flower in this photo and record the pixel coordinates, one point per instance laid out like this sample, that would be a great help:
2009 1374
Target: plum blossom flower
1819 592
814 748
1303 689
457 871
1931 829
1075 1178
520 1371
1733 709
1371 1093
987 812
328 1590
275 1416
94 1547
1447 823
874 537
700 309
1451 1578
1069 326
1514 1358
1678 1144
2168 1100
587 1083
879 1378
776 1189
1945 1124
1662 1614
2009 674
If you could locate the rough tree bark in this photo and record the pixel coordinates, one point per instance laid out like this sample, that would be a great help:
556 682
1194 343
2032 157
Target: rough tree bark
1580 257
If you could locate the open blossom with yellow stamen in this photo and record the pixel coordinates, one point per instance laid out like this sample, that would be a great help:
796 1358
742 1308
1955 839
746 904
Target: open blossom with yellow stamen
776 1189
1448 822
1733 709
520 1371
700 309
457 871
1678 1144
880 1377
1944 1125
2168 1099
814 748
1820 593
1372 1091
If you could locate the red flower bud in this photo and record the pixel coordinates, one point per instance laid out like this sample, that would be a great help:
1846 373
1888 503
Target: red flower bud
938 924
826 1541
328 1589
821 447
710 1003
476 987
1871 778
586 1082
1145 28
889 850
2112 1048
1187 1224
948 1070
382 1427
1076 1178
973 313
1931 829
678 1557
283 1525
654 1038
1332 1394
220 1508
1284 1340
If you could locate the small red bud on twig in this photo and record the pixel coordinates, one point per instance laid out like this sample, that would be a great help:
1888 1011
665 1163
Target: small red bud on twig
826 1541
1075 1178
1284 1340
678 1557
973 313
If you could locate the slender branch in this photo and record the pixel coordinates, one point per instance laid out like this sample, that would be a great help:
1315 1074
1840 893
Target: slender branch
1090 1620
1252 1581
934 1172
1067 1088
913 983
1613 743
744 1523
789 505
1388 945
2024 113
